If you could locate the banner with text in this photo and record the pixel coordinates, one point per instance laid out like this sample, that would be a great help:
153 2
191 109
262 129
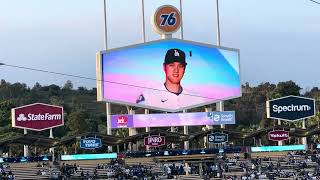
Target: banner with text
217 138
90 143
172 119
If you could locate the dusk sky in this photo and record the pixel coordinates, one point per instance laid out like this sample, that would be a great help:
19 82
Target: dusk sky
278 40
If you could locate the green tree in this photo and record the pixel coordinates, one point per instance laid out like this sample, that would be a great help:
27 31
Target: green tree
77 122
5 112
68 85
288 88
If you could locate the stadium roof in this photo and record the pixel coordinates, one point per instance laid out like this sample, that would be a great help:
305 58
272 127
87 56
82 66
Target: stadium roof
30 140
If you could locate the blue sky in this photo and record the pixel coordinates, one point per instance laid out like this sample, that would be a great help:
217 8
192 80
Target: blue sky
278 40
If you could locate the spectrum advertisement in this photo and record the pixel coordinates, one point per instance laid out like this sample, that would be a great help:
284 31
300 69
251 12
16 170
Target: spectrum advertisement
169 75
172 119
291 108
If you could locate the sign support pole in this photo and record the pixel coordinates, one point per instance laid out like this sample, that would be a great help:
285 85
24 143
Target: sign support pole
208 127
220 104
304 139
109 130
132 132
25 147
185 131
146 111
181 19
108 105
52 149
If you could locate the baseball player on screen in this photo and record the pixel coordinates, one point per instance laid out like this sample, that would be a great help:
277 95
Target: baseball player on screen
171 95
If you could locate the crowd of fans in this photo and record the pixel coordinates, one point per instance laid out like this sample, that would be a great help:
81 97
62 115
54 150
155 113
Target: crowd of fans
296 165
5 172
303 165
115 169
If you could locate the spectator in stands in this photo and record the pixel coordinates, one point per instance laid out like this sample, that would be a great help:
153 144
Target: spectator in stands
43 172
4 174
270 167
226 167
75 166
82 175
95 173
168 172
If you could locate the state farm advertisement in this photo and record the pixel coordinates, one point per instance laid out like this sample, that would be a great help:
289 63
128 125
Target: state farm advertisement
278 135
154 141
37 116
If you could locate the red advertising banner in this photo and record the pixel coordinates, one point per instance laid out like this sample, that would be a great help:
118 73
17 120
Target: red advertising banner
154 141
278 135
37 116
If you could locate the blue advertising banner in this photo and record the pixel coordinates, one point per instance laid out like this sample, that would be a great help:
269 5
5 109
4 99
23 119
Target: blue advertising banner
291 108
90 143
217 138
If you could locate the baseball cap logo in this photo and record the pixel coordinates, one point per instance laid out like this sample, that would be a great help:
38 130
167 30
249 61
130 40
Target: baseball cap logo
122 120
176 53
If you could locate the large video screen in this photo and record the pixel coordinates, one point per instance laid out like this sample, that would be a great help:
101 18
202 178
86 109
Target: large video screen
169 75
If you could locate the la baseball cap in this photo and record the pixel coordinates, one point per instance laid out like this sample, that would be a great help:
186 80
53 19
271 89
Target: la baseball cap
175 55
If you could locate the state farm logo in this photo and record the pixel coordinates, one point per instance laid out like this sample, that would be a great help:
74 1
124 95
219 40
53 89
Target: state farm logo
21 117
122 121
39 117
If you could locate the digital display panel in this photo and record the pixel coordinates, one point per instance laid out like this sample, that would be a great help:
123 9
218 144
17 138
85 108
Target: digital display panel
172 119
88 156
169 75
278 148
